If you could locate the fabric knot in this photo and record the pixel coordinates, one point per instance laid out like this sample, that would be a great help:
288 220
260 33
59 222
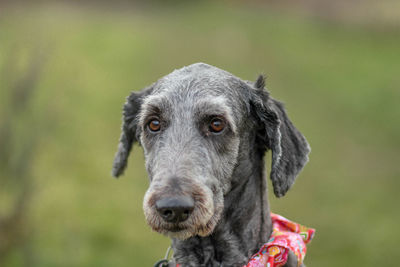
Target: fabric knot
286 236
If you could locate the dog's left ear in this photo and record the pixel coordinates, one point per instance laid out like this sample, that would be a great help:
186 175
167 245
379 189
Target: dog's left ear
130 132
288 146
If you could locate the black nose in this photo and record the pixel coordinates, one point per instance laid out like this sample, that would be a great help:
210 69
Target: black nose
175 209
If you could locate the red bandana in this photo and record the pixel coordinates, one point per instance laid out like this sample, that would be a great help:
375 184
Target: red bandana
286 235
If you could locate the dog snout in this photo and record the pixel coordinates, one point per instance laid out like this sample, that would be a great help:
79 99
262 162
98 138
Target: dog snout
175 209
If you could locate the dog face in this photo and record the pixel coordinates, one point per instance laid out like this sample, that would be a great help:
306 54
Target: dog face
192 153
193 125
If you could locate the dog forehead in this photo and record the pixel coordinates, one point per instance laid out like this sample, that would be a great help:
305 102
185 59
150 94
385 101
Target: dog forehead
199 70
199 88
198 77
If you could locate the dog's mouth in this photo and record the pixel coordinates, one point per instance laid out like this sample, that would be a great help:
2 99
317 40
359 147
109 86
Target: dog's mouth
183 230
175 229
182 215
196 224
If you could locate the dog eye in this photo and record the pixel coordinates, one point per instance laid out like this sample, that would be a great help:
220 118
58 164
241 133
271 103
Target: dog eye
217 125
154 125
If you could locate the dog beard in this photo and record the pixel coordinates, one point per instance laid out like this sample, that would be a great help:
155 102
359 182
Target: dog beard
202 221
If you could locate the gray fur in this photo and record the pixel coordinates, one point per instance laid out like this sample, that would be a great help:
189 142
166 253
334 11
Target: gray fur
224 172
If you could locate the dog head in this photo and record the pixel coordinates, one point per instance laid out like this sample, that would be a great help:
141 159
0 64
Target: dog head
193 125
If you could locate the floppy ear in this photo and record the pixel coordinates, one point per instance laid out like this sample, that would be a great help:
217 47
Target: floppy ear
288 146
130 132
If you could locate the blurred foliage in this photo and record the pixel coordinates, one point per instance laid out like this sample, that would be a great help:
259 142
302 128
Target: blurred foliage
17 141
339 80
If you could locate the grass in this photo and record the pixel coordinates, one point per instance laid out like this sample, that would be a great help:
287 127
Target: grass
339 82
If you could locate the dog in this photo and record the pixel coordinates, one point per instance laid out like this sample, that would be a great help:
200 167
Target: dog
204 133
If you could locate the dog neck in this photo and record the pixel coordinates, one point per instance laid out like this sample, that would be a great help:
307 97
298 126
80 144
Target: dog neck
244 227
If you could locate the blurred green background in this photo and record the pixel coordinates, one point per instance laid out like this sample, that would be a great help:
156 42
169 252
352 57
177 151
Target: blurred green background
66 68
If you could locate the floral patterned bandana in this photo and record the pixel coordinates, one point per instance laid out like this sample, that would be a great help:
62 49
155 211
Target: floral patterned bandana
286 235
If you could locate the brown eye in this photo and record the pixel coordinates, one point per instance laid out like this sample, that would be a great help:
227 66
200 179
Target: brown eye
217 125
154 125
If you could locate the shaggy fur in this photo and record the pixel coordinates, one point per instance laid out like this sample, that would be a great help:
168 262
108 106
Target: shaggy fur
222 172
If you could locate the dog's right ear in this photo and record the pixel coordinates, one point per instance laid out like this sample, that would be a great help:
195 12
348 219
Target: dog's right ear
130 132
277 133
